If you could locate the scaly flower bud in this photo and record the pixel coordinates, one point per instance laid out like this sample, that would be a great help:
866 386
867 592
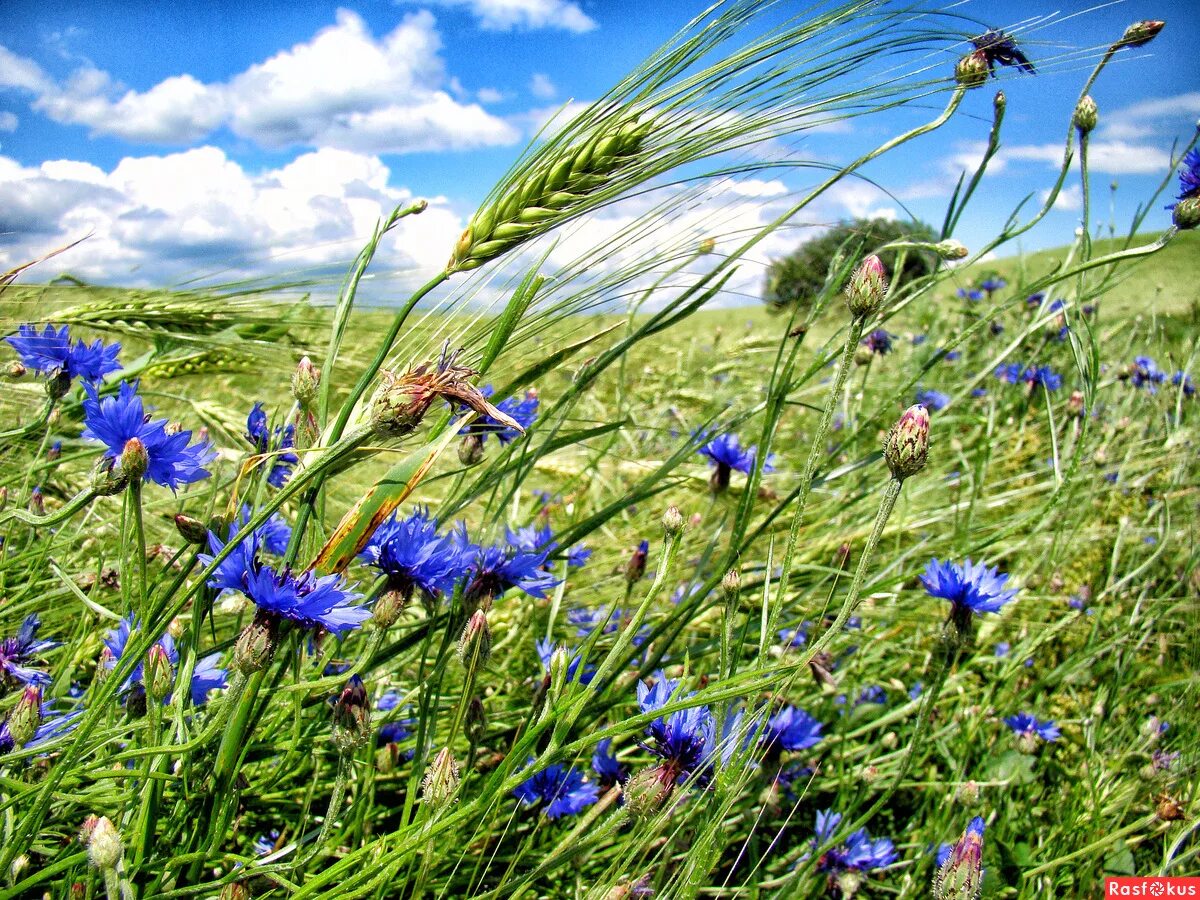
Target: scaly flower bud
1075 403
475 724
235 890
731 585
907 444
306 381
159 676
37 501
15 370
387 609
58 383
647 791
636 567
26 716
1187 214
672 521
475 643
1140 33
54 452
972 70
708 245
1086 114
255 646
103 843
867 287
134 459
351 716
952 249
863 356
191 530
440 783
961 875
470 451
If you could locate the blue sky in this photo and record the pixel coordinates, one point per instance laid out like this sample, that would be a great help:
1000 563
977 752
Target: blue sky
227 140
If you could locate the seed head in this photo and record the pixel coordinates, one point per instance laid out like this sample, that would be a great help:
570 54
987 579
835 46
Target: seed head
440 783
972 70
1086 114
103 843
907 444
1140 33
867 287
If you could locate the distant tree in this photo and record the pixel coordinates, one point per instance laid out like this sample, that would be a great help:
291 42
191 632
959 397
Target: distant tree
800 276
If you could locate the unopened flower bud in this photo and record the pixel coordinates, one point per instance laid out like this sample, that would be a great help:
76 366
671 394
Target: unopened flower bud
235 890
26 716
961 875
952 249
37 501
3 497
890 740
731 585
58 383
708 245
399 405
867 287
647 791
972 70
191 530
15 370
1187 214
54 452
134 459
967 793
351 716
470 451
386 758
306 381
387 609
672 521
103 844
906 446
440 784
158 677
848 883
255 646
635 568
863 356
1075 403
1086 114
475 643
475 723
1140 33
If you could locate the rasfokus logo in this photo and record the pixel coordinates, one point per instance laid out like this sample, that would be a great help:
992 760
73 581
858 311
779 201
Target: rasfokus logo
1152 887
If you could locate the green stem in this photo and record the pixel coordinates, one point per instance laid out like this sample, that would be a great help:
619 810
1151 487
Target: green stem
72 506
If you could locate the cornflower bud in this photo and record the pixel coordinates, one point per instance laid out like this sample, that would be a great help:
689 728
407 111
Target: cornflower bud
470 451
475 724
104 845
3 497
58 383
54 452
708 245
867 288
647 791
906 446
191 530
255 646
1140 33
134 459
37 501
26 716
731 585
235 890
672 521
475 643
387 609
352 716
967 793
636 567
306 381
1075 403
961 875
158 674
15 370
1187 214
972 70
952 249
1086 114
440 783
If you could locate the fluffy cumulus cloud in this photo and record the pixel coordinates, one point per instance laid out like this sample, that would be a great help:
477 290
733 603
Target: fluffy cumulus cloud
509 15
343 89
157 219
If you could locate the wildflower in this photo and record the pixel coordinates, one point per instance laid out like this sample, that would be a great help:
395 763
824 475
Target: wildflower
522 412
871 694
15 652
170 457
351 716
635 568
414 556
960 871
790 729
588 620
1189 182
560 790
859 853
475 643
441 780
996 328
51 351
263 440
993 284
1002 649
1086 114
230 575
970 588
1162 761
546 650
1029 730
52 724
906 446
535 539
1144 372
998 47
1182 380
1031 376
104 846
1035 299
207 675
307 599
934 400
493 570
867 288
683 740
306 381
608 768
726 454
878 341
795 637
969 294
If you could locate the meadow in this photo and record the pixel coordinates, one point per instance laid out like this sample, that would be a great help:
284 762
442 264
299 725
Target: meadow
551 583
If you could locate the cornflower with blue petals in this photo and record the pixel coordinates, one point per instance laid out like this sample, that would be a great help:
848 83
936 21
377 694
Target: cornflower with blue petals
207 675
559 790
264 440
16 652
413 556
1031 376
791 728
726 454
522 410
972 589
50 350
1030 730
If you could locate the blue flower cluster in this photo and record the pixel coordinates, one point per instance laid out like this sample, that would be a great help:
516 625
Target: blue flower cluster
858 853
558 790
1031 376
207 675
1145 373
50 350
16 652
264 441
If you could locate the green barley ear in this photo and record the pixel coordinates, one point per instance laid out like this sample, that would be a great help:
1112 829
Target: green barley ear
560 187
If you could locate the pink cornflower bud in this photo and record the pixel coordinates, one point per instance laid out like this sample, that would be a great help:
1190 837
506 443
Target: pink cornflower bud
867 287
191 530
440 784
961 875
134 459
351 716
306 381
907 444
158 674
103 843
475 643
972 70
1086 114
1140 33
26 716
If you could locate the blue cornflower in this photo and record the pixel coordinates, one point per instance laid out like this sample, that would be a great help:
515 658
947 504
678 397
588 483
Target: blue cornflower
795 637
562 790
1182 379
1189 177
878 341
919 339
493 570
524 411
50 350
207 675
859 853
970 294
272 536
950 355
545 651
306 599
1002 649
979 392
414 556
263 441
540 539
609 770
916 690
725 454
398 729
991 285
683 740
996 328
1144 372
16 651
934 400
1031 376
114 421
1026 725
588 620
970 588
790 729
871 694
1035 299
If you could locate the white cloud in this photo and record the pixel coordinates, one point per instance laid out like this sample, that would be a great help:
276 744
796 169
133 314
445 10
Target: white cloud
1069 198
8 121
541 86
344 89
1114 157
861 200
157 218
507 15
1144 118
489 95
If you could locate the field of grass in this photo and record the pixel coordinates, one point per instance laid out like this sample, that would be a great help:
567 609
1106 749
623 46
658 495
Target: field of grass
936 634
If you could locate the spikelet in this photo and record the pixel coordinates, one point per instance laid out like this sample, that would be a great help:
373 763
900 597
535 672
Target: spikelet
548 194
